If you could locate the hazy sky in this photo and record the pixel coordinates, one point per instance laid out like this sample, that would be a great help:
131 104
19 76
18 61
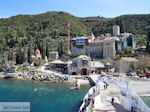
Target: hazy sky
80 8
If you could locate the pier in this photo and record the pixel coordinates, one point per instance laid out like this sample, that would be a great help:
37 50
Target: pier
99 98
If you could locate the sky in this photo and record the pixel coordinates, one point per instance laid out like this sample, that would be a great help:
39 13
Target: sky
79 8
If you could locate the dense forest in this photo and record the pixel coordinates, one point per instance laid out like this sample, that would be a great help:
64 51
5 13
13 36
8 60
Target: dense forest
51 28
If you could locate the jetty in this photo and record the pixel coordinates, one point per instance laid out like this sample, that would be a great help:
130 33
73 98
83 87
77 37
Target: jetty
113 94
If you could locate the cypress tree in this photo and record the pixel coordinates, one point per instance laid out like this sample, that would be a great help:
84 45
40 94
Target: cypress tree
122 26
58 49
39 45
47 50
23 56
120 22
30 52
18 56
9 55
43 51
12 55
148 39
117 21
61 48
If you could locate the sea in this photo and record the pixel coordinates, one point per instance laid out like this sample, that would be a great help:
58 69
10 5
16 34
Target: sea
43 96
146 100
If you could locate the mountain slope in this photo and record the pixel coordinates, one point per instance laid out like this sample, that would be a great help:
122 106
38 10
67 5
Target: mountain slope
136 24
18 30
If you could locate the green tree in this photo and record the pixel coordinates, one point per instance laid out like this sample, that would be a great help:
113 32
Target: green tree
23 56
20 56
12 58
141 40
39 45
30 53
39 62
47 50
9 55
117 21
148 46
128 50
122 26
43 51
60 49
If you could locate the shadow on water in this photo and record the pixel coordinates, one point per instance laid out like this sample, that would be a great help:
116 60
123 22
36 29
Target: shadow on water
77 106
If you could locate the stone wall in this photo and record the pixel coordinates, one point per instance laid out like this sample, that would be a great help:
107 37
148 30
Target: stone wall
101 49
125 66
77 50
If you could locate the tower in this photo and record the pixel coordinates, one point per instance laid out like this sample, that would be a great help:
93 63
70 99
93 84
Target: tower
116 30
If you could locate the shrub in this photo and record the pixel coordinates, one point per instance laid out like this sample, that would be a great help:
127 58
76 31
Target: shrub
39 62
25 69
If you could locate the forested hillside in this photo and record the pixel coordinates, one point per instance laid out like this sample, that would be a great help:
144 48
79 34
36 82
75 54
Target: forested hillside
52 27
15 30
136 24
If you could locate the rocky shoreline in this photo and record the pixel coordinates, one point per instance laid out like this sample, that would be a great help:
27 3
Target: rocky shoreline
38 76
47 76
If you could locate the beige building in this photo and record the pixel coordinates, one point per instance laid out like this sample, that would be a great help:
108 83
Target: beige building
80 65
72 68
83 65
101 47
124 64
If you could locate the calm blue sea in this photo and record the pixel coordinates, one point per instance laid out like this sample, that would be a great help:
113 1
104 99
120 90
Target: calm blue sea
146 99
43 96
